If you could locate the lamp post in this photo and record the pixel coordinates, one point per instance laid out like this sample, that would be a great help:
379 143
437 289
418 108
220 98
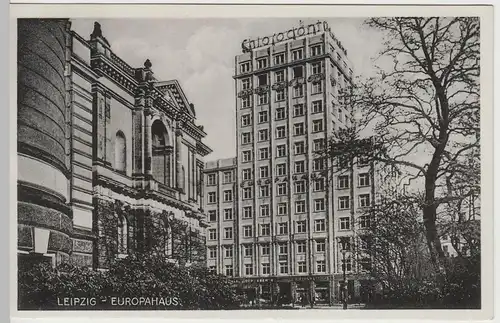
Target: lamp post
344 281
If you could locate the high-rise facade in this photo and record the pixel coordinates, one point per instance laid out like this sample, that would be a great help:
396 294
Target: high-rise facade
107 154
292 209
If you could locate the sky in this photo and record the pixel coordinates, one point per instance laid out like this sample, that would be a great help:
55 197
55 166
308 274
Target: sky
199 53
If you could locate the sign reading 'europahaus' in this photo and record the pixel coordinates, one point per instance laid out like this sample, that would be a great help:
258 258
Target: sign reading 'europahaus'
294 33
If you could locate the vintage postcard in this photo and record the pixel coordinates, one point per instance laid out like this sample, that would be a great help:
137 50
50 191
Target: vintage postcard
252 161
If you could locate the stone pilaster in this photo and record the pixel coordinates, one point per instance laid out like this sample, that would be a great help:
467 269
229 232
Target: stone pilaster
138 133
178 160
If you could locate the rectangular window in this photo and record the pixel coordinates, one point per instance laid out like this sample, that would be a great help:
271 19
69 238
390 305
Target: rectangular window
301 227
265 229
298 110
262 79
282 208
280 114
283 249
317 68
263 98
212 252
265 249
298 71
246 174
318 125
317 106
364 222
300 187
228 233
300 166
362 162
264 153
248 250
264 210
211 179
318 144
228 214
281 170
245 84
343 181
283 268
246 120
298 91
279 76
300 206
248 269
212 215
320 266
246 102
212 234
247 193
212 197
247 212
301 267
264 171
281 188
316 50
246 138
280 95
229 270
263 116
317 87
364 179
262 63
345 223
263 134
318 164
319 225
245 67
364 200
228 177
228 251
298 129
283 228
280 132
344 202
320 246
247 155
266 269
281 150
297 54
247 231
301 247
264 191
299 147
279 58
319 185
319 205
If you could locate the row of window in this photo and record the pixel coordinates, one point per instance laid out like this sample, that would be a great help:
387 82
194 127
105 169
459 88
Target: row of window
265 249
298 130
282 228
280 95
280 58
279 76
280 113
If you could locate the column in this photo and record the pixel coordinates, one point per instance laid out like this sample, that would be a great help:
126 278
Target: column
138 134
178 159
148 149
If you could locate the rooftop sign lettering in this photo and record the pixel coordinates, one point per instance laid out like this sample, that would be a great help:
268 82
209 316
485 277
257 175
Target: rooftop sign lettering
312 29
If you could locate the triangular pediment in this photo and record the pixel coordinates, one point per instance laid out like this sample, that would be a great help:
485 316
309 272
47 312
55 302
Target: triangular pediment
173 91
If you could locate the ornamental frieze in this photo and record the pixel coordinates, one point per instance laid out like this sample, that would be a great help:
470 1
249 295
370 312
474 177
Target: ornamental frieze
262 89
245 93
279 86
316 78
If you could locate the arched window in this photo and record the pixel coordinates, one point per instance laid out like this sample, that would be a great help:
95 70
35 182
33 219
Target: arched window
120 152
122 235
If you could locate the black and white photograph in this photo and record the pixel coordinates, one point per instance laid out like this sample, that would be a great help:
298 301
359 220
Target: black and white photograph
252 163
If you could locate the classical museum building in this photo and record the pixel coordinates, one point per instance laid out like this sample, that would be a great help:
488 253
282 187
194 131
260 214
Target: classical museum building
110 159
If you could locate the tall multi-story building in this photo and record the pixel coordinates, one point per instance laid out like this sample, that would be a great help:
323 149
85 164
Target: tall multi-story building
106 153
292 209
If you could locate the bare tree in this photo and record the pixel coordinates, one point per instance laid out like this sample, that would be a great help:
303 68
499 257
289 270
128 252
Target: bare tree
423 109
